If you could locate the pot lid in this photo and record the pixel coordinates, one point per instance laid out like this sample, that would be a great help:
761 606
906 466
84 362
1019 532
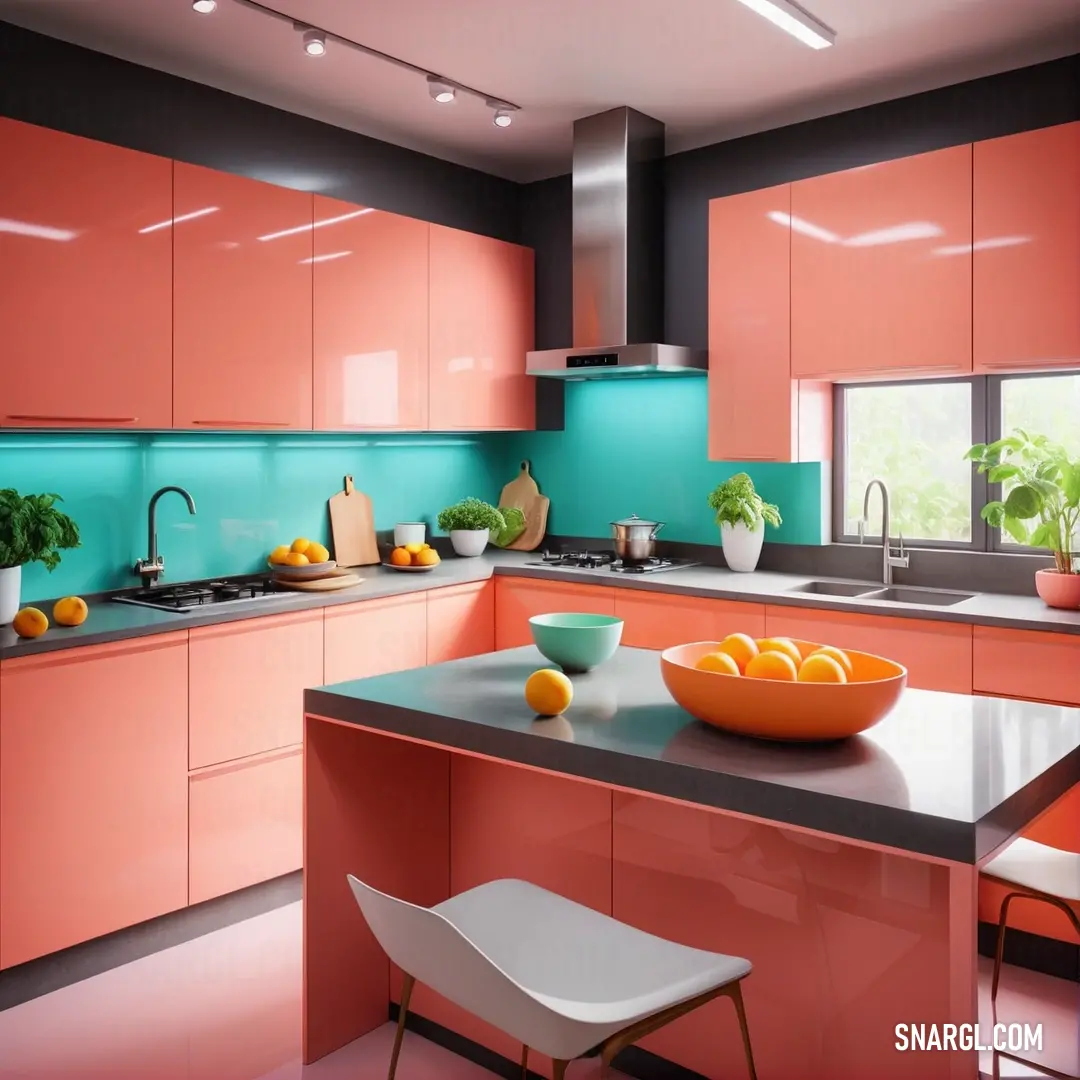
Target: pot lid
633 519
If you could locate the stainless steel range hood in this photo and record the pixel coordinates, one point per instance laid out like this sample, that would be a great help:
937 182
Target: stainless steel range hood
618 250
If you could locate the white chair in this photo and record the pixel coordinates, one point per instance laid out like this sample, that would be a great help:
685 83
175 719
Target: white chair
1045 875
567 981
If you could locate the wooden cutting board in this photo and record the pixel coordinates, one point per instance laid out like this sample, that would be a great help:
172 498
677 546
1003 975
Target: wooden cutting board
353 526
341 579
521 491
523 494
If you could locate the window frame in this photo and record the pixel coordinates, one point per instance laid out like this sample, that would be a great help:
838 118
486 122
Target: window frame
986 417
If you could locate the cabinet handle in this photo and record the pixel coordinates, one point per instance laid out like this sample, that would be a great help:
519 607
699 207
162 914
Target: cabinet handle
242 423
75 419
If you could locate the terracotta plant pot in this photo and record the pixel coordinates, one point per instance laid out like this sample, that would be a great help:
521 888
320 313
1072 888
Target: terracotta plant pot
1058 590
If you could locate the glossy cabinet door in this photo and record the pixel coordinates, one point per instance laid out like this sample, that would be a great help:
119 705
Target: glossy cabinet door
757 412
518 599
93 792
936 654
371 318
86 300
660 620
246 683
374 637
460 621
881 269
480 330
246 823
1027 250
242 255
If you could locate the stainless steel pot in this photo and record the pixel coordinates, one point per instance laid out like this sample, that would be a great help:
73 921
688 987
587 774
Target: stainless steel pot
635 538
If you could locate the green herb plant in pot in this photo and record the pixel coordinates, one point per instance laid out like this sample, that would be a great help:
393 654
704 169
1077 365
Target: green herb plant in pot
742 516
1040 507
471 523
31 530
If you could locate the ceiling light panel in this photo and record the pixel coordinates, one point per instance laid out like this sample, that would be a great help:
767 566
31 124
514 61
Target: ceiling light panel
794 20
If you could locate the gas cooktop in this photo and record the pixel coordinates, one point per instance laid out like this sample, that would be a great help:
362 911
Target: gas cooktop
192 595
605 560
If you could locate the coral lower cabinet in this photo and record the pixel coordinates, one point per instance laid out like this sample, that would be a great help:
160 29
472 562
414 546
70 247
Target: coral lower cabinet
374 637
518 599
93 792
660 620
460 621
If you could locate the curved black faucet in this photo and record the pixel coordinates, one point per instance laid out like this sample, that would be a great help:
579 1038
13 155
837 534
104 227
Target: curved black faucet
153 566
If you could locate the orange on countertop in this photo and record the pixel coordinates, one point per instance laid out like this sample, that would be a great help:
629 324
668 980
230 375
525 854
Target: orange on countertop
772 664
782 645
721 663
548 692
742 648
70 611
400 557
296 558
821 668
427 557
30 623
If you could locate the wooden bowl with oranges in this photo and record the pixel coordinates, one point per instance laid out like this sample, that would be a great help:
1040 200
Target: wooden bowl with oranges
414 558
782 688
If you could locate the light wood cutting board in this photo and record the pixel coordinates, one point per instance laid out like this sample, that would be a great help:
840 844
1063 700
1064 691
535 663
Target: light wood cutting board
521 491
523 494
341 579
353 525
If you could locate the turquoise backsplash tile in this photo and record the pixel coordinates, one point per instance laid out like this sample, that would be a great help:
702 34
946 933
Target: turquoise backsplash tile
250 494
641 447
629 447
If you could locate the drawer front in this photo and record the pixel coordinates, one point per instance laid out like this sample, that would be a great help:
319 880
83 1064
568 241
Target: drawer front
936 654
375 637
247 683
518 599
660 620
1027 664
245 823
460 621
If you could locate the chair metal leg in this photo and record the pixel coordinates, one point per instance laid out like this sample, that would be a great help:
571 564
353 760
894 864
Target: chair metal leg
736 997
406 994
524 1062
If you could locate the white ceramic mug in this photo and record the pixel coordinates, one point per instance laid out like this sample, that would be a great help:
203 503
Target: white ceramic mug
409 532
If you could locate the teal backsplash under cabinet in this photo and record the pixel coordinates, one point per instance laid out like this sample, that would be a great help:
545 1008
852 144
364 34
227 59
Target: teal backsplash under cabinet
251 492
641 447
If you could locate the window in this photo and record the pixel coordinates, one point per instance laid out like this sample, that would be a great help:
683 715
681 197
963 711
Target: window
913 436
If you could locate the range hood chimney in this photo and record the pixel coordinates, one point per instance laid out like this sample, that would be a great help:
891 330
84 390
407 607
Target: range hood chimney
618 213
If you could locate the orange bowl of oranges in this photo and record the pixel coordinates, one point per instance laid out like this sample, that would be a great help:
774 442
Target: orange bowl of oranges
413 557
782 688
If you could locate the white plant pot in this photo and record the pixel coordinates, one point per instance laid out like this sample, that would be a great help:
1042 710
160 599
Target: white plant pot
742 546
469 542
10 590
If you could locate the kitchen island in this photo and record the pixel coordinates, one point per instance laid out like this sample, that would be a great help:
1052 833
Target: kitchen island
846 873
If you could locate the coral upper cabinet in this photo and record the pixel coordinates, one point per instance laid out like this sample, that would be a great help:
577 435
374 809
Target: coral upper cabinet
86 301
881 269
481 313
371 318
1027 250
756 411
242 254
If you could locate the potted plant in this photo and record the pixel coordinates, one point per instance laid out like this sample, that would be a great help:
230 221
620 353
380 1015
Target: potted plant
470 523
742 516
1041 505
31 530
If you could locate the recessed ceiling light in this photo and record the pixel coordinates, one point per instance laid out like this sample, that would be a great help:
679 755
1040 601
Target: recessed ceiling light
797 22
204 7
314 43
441 91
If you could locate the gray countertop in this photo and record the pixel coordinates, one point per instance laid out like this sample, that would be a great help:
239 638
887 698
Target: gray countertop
944 775
114 622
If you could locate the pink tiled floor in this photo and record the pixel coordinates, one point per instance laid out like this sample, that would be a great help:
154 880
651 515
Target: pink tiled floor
227 1007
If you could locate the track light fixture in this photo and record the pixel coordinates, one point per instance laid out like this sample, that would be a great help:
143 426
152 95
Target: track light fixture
204 7
504 115
314 42
440 90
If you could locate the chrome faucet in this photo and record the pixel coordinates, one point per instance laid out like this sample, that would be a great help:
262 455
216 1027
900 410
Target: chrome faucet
153 566
888 559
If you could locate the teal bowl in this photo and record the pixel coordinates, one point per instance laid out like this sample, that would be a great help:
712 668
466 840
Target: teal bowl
577 643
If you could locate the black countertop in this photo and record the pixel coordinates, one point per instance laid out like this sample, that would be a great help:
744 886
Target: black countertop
110 621
944 775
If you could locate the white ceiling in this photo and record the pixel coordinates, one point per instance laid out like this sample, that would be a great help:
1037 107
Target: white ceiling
709 69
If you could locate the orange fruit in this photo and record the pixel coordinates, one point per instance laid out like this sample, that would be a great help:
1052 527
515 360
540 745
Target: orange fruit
818 667
400 557
317 553
71 611
548 692
773 664
781 645
719 663
295 558
277 556
425 547
300 545
427 557
742 648
414 549
838 655
30 623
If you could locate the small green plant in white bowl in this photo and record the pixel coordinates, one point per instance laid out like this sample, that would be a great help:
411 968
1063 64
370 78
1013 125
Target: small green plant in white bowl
742 515
470 524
